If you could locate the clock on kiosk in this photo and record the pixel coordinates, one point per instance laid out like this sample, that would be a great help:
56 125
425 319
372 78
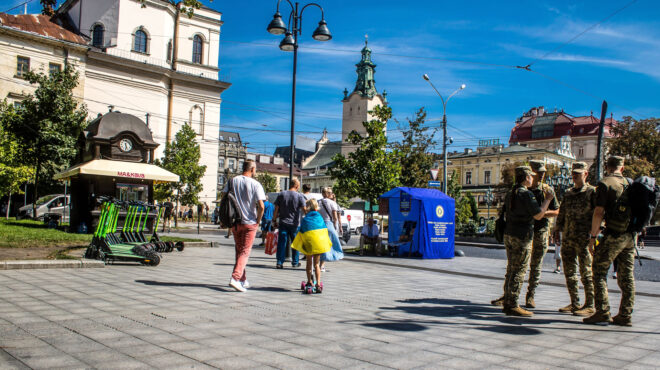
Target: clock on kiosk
125 145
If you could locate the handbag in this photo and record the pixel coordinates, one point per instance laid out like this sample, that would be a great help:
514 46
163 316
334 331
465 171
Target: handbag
271 242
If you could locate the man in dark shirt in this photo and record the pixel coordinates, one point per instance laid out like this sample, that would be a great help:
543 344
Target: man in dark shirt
521 209
541 230
289 207
617 246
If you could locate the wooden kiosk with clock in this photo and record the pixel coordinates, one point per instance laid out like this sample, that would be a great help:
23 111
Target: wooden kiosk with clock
115 157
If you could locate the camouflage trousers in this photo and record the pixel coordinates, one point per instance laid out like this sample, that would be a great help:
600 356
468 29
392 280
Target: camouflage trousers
539 249
517 259
574 253
622 249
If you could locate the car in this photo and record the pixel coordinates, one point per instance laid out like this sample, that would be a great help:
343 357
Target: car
52 203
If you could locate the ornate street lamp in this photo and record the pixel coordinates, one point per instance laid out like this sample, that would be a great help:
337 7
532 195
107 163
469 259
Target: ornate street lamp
290 43
561 181
489 201
444 130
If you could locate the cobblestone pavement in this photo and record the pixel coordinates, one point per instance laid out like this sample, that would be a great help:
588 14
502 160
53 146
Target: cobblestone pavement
374 312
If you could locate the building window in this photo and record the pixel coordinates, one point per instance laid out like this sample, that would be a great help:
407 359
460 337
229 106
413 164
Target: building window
54 68
196 119
221 163
580 152
468 178
140 41
97 35
17 105
198 46
169 51
22 66
232 164
487 177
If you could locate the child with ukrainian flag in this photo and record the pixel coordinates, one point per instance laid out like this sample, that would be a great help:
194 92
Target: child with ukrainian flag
312 241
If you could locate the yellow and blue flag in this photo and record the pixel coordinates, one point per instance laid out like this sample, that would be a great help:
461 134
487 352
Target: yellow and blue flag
313 235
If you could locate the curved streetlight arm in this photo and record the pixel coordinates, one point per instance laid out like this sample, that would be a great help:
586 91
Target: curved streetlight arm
437 92
288 1
316 5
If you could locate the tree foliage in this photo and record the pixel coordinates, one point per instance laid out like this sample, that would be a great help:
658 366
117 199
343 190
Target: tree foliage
462 204
268 182
413 152
472 203
371 169
48 7
181 157
639 142
47 126
13 172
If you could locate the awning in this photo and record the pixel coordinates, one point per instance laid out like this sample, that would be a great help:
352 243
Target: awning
131 170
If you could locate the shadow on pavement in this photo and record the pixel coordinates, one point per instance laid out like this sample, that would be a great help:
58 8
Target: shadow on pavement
209 286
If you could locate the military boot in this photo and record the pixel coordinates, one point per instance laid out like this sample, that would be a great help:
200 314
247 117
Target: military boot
621 320
529 301
586 310
570 308
517 311
498 302
597 318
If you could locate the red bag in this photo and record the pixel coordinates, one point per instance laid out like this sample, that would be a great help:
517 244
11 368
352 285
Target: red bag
271 242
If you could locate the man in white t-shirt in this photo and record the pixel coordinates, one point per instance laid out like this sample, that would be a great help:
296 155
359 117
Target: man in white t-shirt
370 235
250 196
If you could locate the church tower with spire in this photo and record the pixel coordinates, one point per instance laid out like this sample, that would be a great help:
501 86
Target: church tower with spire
362 100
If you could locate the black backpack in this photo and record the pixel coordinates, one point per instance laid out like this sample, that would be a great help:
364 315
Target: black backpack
635 207
643 197
230 212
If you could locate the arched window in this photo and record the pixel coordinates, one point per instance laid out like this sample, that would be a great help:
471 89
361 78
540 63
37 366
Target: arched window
97 35
140 41
198 46
196 119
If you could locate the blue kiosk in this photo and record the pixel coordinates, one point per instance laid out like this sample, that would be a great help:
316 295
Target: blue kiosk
421 222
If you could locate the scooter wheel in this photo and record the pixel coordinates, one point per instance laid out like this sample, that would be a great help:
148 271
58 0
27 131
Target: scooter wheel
309 290
302 285
154 259
179 246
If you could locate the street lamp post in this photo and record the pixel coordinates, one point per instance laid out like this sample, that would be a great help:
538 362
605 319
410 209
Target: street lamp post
489 201
562 181
290 43
444 130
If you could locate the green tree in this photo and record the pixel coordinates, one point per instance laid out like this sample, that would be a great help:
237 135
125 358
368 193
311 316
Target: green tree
48 124
48 7
13 173
186 7
371 169
472 202
639 143
182 158
462 205
413 152
268 182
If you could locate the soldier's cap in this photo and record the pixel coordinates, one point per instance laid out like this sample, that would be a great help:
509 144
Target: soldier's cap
537 166
580 167
523 170
615 161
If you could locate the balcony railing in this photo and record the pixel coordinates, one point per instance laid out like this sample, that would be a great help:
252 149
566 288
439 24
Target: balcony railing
186 69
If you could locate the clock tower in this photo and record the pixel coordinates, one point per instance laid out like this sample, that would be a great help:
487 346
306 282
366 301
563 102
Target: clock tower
362 100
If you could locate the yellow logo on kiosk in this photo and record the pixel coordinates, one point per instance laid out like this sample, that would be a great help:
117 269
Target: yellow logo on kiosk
439 211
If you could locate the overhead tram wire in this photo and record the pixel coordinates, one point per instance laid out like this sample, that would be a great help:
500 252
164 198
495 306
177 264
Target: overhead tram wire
18 6
580 34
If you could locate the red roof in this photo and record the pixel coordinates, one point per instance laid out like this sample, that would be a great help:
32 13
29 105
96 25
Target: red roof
40 25
562 124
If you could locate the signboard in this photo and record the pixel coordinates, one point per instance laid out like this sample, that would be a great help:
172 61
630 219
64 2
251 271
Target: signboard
435 184
434 174
404 203
489 142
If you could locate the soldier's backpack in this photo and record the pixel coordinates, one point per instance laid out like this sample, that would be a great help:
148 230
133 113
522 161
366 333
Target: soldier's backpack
643 199
230 213
635 207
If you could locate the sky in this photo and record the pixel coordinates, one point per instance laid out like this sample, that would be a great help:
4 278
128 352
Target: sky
581 53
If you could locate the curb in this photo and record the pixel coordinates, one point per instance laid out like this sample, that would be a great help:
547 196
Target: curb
50 264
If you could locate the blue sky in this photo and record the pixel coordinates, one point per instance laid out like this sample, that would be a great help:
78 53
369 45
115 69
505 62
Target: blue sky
616 61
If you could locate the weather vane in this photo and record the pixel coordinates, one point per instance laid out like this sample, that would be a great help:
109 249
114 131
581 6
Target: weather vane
366 39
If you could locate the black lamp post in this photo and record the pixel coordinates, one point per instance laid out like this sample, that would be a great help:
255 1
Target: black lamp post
489 201
444 130
290 43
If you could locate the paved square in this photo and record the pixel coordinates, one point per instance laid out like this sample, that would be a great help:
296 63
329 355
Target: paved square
374 312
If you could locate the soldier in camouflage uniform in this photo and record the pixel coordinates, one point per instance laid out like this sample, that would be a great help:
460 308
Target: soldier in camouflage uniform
521 209
617 245
541 230
574 221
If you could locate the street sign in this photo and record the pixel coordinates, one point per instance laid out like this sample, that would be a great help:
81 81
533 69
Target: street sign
434 174
348 217
435 184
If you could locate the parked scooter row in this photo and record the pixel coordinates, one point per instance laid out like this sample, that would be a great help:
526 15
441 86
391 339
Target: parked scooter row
130 244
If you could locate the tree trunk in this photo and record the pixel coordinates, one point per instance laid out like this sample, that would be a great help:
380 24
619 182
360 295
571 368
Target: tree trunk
8 207
176 213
